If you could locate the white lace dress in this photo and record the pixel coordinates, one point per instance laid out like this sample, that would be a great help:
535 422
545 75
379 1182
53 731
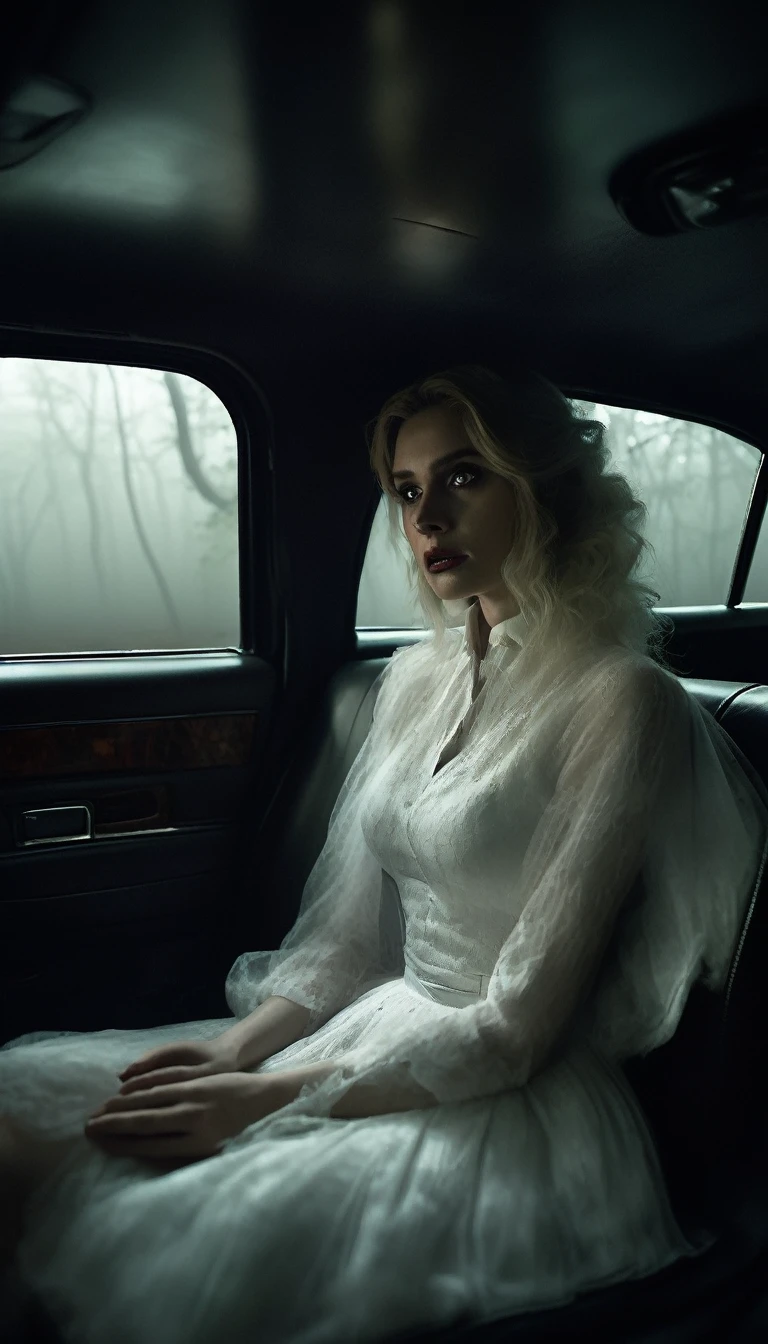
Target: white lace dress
529 864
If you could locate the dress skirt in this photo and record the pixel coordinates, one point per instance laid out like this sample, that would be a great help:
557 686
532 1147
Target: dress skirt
307 1229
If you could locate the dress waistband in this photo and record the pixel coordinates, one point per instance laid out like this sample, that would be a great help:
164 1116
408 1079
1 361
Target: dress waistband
447 987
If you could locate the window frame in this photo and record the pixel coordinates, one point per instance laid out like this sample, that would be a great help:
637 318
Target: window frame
246 404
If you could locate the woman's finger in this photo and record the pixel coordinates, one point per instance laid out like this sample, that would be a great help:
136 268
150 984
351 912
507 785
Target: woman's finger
159 1077
167 1056
139 1066
159 1098
165 1097
178 1119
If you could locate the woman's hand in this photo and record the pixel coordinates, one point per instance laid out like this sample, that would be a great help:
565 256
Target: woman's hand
185 1120
178 1062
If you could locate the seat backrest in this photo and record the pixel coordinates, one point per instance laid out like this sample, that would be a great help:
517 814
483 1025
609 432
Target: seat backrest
294 828
699 1091
702 1091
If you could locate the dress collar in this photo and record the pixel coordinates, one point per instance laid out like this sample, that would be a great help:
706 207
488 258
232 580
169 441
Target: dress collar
511 633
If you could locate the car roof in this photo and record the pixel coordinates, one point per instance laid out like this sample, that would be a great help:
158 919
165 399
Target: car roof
405 185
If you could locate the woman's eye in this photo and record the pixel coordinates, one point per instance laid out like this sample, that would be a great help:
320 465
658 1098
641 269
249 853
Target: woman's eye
472 472
466 471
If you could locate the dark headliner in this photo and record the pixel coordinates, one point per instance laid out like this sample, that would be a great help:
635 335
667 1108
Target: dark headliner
413 184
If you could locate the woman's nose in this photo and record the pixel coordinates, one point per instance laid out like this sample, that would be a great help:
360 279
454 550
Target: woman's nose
428 525
430 516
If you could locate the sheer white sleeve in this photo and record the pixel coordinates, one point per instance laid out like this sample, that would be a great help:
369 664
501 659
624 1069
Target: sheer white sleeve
647 800
333 952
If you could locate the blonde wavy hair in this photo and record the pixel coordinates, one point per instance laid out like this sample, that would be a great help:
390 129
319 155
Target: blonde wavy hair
577 543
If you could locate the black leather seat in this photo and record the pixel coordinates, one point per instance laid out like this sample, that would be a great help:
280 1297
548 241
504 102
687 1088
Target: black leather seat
700 1092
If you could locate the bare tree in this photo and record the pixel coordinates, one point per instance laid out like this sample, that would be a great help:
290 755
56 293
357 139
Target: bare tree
192 465
144 542
19 531
51 391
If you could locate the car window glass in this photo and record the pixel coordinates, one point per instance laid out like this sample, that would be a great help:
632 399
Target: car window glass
118 511
757 584
695 481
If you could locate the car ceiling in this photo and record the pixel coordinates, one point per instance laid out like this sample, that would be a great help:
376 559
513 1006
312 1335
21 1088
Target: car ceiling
415 183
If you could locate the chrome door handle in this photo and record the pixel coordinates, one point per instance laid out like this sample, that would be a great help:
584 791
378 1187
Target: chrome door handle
56 825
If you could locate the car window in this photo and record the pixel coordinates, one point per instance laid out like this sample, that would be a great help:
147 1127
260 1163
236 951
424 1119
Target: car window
695 481
756 589
118 511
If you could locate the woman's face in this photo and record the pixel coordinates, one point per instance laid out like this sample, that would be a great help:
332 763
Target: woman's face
458 505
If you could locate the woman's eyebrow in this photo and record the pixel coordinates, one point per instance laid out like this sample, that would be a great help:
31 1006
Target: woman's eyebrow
442 461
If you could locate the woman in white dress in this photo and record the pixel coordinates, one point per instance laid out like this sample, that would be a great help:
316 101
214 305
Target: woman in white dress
418 1113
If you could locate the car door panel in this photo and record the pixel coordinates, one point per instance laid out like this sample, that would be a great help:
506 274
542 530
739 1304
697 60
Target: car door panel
136 922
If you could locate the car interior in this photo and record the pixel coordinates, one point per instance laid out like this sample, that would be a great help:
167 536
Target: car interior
299 210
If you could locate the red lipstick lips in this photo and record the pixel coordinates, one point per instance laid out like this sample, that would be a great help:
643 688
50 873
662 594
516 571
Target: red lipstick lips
439 558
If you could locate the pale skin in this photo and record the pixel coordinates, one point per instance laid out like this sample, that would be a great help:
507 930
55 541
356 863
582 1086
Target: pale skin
178 1103
460 505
